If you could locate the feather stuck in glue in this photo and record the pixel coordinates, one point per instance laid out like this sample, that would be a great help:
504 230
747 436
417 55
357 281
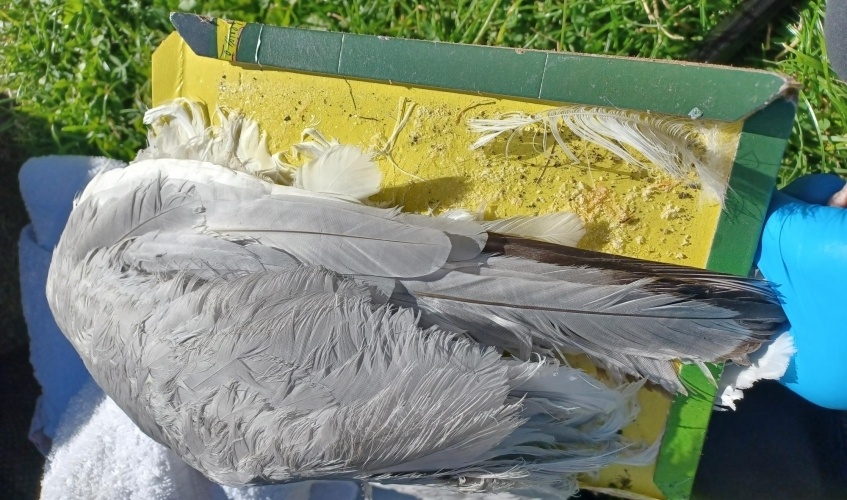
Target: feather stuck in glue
768 363
336 169
561 228
677 146
181 129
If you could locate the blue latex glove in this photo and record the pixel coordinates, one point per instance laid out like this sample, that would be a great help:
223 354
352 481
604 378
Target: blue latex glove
803 252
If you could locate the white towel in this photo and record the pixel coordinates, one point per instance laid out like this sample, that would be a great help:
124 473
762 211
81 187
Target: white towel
99 453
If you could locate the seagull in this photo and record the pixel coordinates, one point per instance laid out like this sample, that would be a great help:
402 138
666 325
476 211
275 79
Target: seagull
268 325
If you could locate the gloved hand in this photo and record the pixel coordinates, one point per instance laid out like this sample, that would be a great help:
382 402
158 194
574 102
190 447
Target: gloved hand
803 252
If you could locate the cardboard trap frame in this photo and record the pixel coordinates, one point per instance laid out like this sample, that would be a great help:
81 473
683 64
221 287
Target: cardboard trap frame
409 101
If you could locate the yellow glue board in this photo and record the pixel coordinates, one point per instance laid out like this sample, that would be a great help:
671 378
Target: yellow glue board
422 144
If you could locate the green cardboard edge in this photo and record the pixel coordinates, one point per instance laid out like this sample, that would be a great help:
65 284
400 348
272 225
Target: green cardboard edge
685 433
683 89
674 88
757 161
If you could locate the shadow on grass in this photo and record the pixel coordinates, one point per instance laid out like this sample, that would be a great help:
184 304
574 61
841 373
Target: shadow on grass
12 219
20 462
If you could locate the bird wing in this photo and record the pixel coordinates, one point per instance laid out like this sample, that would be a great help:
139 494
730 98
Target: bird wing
294 374
199 198
619 320
256 366
632 316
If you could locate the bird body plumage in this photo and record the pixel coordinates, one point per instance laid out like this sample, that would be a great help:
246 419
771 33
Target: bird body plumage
268 333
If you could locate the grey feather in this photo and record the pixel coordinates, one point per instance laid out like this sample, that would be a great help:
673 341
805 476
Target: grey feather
467 238
328 233
526 307
151 206
200 255
244 325
286 375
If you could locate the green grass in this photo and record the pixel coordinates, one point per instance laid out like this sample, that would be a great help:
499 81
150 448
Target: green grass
78 71
819 140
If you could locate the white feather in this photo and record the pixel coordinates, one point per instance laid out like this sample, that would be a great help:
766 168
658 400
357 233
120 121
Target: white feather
181 130
316 146
561 228
675 145
492 128
768 363
460 214
340 170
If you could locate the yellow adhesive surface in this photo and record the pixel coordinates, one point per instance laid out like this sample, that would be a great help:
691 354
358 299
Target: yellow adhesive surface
429 167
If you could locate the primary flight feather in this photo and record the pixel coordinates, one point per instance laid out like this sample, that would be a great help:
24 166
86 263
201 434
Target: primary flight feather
271 333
